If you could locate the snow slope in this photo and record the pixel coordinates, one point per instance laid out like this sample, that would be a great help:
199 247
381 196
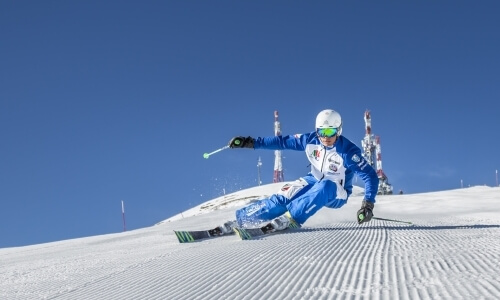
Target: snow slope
451 252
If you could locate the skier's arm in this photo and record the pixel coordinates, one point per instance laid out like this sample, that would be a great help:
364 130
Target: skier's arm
287 142
356 162
282 142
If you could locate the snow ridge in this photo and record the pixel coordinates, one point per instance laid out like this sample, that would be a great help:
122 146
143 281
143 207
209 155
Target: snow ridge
332 257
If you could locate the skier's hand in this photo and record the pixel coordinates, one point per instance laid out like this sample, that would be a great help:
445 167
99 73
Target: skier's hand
365 214
241 142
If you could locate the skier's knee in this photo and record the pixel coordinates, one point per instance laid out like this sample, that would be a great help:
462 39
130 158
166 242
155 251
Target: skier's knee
329 185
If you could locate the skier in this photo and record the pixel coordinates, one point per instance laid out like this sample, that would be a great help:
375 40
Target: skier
334 160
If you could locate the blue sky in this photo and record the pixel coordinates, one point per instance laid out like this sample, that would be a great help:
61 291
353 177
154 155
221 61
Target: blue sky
104 101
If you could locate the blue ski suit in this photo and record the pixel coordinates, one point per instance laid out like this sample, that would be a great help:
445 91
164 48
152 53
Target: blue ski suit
329 183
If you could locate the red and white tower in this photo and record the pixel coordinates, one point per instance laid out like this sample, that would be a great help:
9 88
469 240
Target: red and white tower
278 167
368 142
373 154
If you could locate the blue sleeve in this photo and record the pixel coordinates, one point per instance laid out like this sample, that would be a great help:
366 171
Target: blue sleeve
282 142
355 161
349 174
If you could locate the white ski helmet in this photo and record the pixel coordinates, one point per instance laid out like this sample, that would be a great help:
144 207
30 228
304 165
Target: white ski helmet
329 118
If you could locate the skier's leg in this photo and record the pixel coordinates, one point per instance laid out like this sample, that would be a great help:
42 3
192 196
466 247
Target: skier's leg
274 206
324 193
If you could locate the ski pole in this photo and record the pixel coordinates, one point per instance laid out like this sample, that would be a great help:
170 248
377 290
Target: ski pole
391 220
207 155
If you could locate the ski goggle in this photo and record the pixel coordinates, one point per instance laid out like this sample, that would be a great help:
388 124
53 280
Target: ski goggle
327 132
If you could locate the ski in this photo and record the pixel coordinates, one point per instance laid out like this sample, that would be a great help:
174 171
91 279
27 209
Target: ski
242 233
194 235
250 233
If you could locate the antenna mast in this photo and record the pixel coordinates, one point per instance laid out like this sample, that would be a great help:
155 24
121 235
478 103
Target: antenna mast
373 154
278 167
259 164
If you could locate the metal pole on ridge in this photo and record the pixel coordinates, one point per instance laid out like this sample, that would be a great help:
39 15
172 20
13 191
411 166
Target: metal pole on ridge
123 217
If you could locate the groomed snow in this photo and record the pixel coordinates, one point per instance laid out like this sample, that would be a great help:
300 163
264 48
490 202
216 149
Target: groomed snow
451 252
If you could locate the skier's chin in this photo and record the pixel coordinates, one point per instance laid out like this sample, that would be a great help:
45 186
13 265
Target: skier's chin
328 141
328 144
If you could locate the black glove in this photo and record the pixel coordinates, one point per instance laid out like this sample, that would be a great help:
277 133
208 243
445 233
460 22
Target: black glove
241 142
365 214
